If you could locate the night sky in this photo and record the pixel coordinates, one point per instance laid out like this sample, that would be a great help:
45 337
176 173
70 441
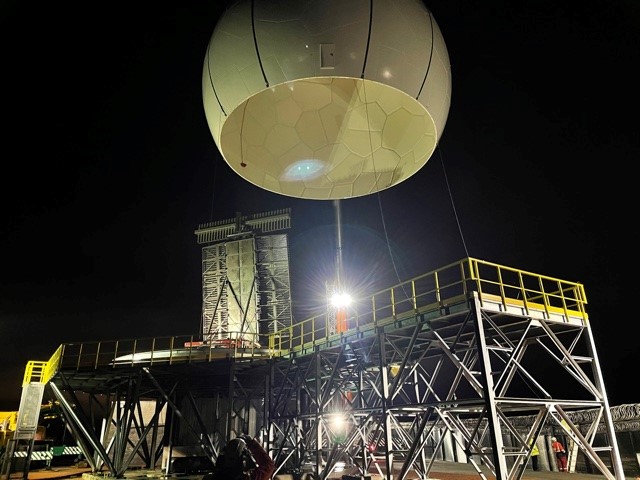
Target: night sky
109 167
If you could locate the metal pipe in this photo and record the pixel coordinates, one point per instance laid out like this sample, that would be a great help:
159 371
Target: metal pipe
336 205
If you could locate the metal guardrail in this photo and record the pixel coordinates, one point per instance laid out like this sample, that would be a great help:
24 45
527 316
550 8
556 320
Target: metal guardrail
41 372
531 291
434 291
154 351
440 289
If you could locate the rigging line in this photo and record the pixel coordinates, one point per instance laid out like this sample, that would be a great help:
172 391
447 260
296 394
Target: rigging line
386 237
384 226
373 162
453 205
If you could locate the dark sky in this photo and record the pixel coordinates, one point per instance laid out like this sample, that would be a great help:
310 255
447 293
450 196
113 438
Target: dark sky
108 167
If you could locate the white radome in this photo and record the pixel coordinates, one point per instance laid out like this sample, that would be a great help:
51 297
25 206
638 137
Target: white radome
326 99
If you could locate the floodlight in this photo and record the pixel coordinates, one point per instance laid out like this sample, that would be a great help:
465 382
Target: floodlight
341 300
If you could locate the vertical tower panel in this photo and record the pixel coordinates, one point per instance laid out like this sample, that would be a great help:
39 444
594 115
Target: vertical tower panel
242 295
246 288
214 299
274 282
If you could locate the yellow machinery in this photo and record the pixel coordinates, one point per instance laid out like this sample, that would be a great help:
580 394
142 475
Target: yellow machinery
8 421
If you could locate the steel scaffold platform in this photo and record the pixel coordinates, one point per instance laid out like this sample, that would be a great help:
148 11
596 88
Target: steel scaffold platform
438 366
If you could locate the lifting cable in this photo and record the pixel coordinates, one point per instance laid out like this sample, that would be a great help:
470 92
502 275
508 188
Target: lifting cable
455 213
453 205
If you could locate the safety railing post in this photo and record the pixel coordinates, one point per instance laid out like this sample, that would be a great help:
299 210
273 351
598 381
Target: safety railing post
115 352
523 291
96 363
545 299
414 298
79 357
153 349
393 303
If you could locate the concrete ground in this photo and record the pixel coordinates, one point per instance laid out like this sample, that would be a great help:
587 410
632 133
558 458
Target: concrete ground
440 471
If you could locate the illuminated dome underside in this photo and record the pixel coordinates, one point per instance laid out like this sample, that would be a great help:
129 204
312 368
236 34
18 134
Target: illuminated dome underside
314 100
327 138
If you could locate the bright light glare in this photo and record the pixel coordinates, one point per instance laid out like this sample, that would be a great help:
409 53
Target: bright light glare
337 422
341 300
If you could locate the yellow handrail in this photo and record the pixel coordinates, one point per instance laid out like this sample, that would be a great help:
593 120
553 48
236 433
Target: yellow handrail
41 372
435 291
440 288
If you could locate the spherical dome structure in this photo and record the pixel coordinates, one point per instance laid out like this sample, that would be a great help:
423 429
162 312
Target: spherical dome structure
326 99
